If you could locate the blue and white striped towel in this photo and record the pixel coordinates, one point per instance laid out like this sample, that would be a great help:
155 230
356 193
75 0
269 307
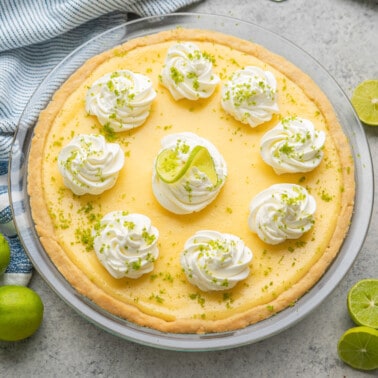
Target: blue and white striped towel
35 35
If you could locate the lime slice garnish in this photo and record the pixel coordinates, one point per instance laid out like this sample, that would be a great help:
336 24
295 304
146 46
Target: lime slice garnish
358 347
365 102
170 168
362 303
203 161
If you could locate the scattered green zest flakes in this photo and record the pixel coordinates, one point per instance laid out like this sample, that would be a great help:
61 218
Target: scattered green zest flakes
286 149
291 200
108 132
110 85
148 238
156 297
136 265
247 93
200 300
325 196
84 236
129 225
198 55
176 75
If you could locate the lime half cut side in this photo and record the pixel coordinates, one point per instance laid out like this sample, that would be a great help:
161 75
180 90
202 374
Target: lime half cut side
170 168
365 102
358 347
362 302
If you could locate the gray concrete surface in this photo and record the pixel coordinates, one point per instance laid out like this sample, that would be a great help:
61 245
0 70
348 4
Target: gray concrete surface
343 36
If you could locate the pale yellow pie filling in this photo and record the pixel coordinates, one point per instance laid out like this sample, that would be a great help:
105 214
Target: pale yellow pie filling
164 299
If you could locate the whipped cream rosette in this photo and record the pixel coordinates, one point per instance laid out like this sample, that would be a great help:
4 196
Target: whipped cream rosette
250 96
195 187
281 212
90 165
121 100
215 261
126 244
188 72
293 146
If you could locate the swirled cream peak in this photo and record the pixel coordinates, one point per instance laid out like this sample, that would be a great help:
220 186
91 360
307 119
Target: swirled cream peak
90 165
126 244
215 261
293 146
280 212
188 72
194 190
250 96
121 100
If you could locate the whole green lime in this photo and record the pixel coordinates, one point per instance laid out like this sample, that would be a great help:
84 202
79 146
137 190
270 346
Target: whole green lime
4 254
21 312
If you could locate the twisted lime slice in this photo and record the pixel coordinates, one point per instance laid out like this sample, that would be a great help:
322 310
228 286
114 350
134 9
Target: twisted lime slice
170 168
358 347
203 161
362 302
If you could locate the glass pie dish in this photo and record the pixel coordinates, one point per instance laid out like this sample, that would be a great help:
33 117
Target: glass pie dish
192 342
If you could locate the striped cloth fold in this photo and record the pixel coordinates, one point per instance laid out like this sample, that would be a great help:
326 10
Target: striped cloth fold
35 35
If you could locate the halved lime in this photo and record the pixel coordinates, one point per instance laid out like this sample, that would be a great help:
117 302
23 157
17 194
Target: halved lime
365 102
358 347
362 302
170 168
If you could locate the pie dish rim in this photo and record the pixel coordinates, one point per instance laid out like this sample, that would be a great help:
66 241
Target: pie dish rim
142 335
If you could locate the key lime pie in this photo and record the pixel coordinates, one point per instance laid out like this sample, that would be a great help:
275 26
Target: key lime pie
190 182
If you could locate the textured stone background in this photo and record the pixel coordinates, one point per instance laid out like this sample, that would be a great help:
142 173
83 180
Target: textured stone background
343 36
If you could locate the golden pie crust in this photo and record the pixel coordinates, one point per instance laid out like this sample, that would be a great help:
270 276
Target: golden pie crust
164 299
